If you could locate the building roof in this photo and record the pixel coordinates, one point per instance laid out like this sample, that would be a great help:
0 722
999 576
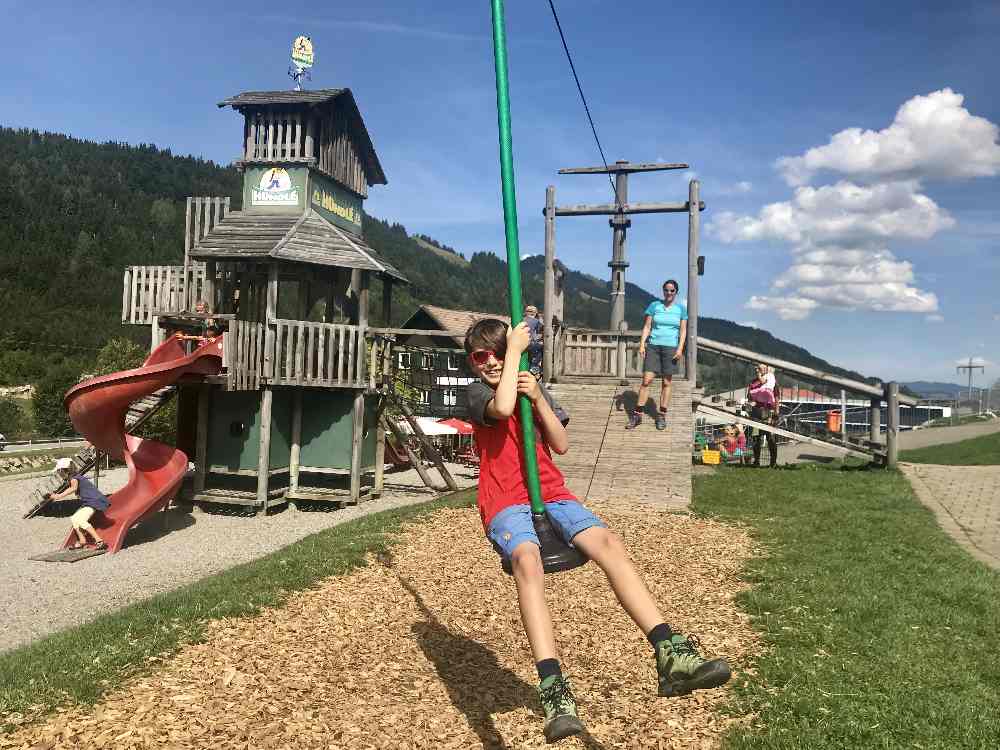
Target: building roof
451 320
374 173
303 238
257 98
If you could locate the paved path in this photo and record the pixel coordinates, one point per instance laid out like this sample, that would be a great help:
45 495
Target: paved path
937 435
966 502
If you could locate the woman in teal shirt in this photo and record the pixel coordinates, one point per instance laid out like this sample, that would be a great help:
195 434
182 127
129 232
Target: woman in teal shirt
665 331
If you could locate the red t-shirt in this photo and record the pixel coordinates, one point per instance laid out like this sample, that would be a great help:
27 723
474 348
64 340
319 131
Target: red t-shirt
501 475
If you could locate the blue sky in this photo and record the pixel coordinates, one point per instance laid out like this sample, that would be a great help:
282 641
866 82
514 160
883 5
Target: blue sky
819 249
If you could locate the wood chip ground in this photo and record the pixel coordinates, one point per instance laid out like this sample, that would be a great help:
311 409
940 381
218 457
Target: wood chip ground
424 648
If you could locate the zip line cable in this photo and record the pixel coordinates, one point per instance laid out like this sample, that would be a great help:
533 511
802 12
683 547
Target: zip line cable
580 89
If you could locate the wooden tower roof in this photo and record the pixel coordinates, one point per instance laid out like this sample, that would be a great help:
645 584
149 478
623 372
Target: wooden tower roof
250 101
302 238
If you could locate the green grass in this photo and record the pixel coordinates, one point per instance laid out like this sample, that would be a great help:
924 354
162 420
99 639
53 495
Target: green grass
977 451
880 632
81 663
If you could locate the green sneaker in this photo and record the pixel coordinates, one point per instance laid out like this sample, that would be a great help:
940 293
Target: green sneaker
560 709
681 668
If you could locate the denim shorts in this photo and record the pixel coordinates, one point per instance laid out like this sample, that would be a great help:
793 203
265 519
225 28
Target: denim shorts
512 526
659 360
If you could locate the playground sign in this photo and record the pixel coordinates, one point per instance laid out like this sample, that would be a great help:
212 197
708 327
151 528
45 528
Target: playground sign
302 52
275 188
334 203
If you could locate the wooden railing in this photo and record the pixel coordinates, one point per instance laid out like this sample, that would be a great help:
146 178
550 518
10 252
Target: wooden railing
278 136
243 355
149 291
584 352
319 354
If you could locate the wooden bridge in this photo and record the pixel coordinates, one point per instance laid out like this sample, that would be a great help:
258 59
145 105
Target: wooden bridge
633 469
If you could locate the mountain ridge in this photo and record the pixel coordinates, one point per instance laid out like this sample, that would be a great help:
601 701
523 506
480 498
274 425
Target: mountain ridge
75 213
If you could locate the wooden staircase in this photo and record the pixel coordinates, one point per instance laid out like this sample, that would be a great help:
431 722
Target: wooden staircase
86 457
630 469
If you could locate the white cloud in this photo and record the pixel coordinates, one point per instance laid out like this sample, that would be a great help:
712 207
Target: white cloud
974 361
935 318
749 323
839 214
737 188
786 308
932 137
840 233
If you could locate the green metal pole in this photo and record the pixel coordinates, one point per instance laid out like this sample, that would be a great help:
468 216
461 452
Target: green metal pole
513 250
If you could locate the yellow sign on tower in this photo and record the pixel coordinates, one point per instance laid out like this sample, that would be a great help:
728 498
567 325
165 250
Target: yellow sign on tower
302 52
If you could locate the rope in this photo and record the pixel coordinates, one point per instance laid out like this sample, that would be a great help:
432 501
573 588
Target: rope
579 88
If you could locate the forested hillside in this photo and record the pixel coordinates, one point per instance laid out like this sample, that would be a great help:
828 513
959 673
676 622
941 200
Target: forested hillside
74 213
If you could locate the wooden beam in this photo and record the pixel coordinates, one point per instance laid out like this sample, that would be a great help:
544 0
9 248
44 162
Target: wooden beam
608 209
749 356
427 445
623 167
414 461
763 426
549 302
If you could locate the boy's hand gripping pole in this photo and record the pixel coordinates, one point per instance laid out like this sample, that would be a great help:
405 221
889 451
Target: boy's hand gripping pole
556 554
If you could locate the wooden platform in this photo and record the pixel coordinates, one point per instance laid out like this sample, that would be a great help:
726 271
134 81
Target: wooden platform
634 469
68 555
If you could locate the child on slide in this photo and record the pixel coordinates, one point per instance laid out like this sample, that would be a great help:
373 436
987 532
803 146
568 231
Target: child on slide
92 500
494 351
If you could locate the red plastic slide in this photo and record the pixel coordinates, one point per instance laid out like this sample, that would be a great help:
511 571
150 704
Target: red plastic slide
97 409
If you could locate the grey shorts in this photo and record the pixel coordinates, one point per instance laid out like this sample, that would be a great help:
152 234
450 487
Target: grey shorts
659 360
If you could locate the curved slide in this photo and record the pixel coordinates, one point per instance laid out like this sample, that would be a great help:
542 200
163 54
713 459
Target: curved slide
97 409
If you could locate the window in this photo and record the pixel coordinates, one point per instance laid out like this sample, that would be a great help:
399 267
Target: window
454 361
427 362
450 397
403 360
425 397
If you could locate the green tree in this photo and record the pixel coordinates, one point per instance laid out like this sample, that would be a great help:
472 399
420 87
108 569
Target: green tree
51 419
117 355
11 418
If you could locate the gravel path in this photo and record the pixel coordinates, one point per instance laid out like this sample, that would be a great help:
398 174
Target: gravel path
38 598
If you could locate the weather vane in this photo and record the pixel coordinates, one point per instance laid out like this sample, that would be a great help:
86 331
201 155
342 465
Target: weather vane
302 60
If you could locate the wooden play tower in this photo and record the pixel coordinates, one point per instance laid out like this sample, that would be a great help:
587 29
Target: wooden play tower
293 416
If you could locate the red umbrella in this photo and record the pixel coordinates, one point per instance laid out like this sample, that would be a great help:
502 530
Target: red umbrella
464 428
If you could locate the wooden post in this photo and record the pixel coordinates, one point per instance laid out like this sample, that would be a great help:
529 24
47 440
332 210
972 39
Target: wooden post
359 286
270 312
694 218
619 223
201 439
264 456
293 459
892 425
209 289
875 418
843 415
97 468
549 303
186 303
156 334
